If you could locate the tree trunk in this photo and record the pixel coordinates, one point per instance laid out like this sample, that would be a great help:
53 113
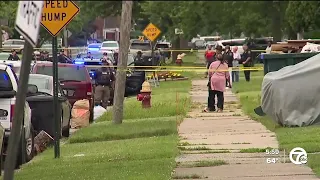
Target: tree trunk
0 39
300 35
125 28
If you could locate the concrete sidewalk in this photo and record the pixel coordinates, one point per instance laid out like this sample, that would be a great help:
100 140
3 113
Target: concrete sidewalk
209 137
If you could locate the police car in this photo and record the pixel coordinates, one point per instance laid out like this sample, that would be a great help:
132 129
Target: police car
95 58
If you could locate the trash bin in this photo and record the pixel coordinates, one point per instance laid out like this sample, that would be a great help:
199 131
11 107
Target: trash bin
274 62
42 113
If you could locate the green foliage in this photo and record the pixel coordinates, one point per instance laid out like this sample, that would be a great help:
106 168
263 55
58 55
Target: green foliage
302 14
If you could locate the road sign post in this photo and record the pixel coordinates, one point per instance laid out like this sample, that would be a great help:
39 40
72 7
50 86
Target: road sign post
55 16
152 33
27 24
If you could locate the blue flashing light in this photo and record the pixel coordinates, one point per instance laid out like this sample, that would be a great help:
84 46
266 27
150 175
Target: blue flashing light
79 62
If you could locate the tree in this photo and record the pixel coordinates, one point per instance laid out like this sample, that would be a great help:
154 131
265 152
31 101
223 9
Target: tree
302 15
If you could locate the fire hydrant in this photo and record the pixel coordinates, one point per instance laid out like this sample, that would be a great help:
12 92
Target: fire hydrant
145 95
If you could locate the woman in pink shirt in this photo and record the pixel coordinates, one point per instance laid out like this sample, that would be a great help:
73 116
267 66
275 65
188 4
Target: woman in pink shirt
218 73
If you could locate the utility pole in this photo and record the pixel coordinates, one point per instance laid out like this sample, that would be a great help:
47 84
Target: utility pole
125 28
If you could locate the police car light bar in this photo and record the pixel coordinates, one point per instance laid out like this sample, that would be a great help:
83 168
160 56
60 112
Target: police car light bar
79 62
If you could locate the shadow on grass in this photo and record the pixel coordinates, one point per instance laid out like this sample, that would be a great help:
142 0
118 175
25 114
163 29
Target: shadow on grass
106 131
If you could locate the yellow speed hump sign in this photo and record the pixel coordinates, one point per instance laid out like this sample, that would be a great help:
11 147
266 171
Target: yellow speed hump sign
57 14
151 32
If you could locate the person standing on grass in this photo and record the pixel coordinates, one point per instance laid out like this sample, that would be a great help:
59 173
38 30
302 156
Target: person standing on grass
235 63
228 58
246 60
209 56
218 74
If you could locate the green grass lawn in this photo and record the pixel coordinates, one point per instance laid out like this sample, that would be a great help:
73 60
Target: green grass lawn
289 138
144 146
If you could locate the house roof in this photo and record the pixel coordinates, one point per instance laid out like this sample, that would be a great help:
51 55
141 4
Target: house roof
112 22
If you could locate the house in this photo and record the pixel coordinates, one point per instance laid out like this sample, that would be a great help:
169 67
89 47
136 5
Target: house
111 29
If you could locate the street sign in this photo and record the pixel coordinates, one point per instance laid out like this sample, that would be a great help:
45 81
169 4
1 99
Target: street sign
151 32
67 33
27 20
141 38
57 14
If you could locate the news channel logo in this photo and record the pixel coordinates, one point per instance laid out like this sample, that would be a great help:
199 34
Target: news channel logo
298 156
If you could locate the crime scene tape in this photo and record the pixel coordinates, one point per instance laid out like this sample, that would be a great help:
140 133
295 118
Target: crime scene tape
83 48
181 69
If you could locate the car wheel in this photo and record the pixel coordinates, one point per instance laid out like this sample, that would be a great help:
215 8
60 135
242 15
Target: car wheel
30 145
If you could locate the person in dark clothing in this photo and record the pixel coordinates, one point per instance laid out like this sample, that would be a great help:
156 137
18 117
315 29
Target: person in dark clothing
89 55
44 56
105 79
13 56
246 60
116 58
138 60
62 58
228 58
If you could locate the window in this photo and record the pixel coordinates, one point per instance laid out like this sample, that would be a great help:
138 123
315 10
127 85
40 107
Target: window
162 46
130 60
65 73
141 46
5 81
94 46
4 56
8 43
18 42
109 44
40 82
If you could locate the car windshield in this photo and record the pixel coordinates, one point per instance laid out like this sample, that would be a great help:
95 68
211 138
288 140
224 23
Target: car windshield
130 60
109 44
141 46
162 46
94 46
5 82
4 56
43 84
65 72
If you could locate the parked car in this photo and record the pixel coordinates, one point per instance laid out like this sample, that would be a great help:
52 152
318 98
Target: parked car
164 49
145 48
44 84
94 47
109 46
8 90
74 80
16 44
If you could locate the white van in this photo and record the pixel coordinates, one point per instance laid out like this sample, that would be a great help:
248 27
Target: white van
8 90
